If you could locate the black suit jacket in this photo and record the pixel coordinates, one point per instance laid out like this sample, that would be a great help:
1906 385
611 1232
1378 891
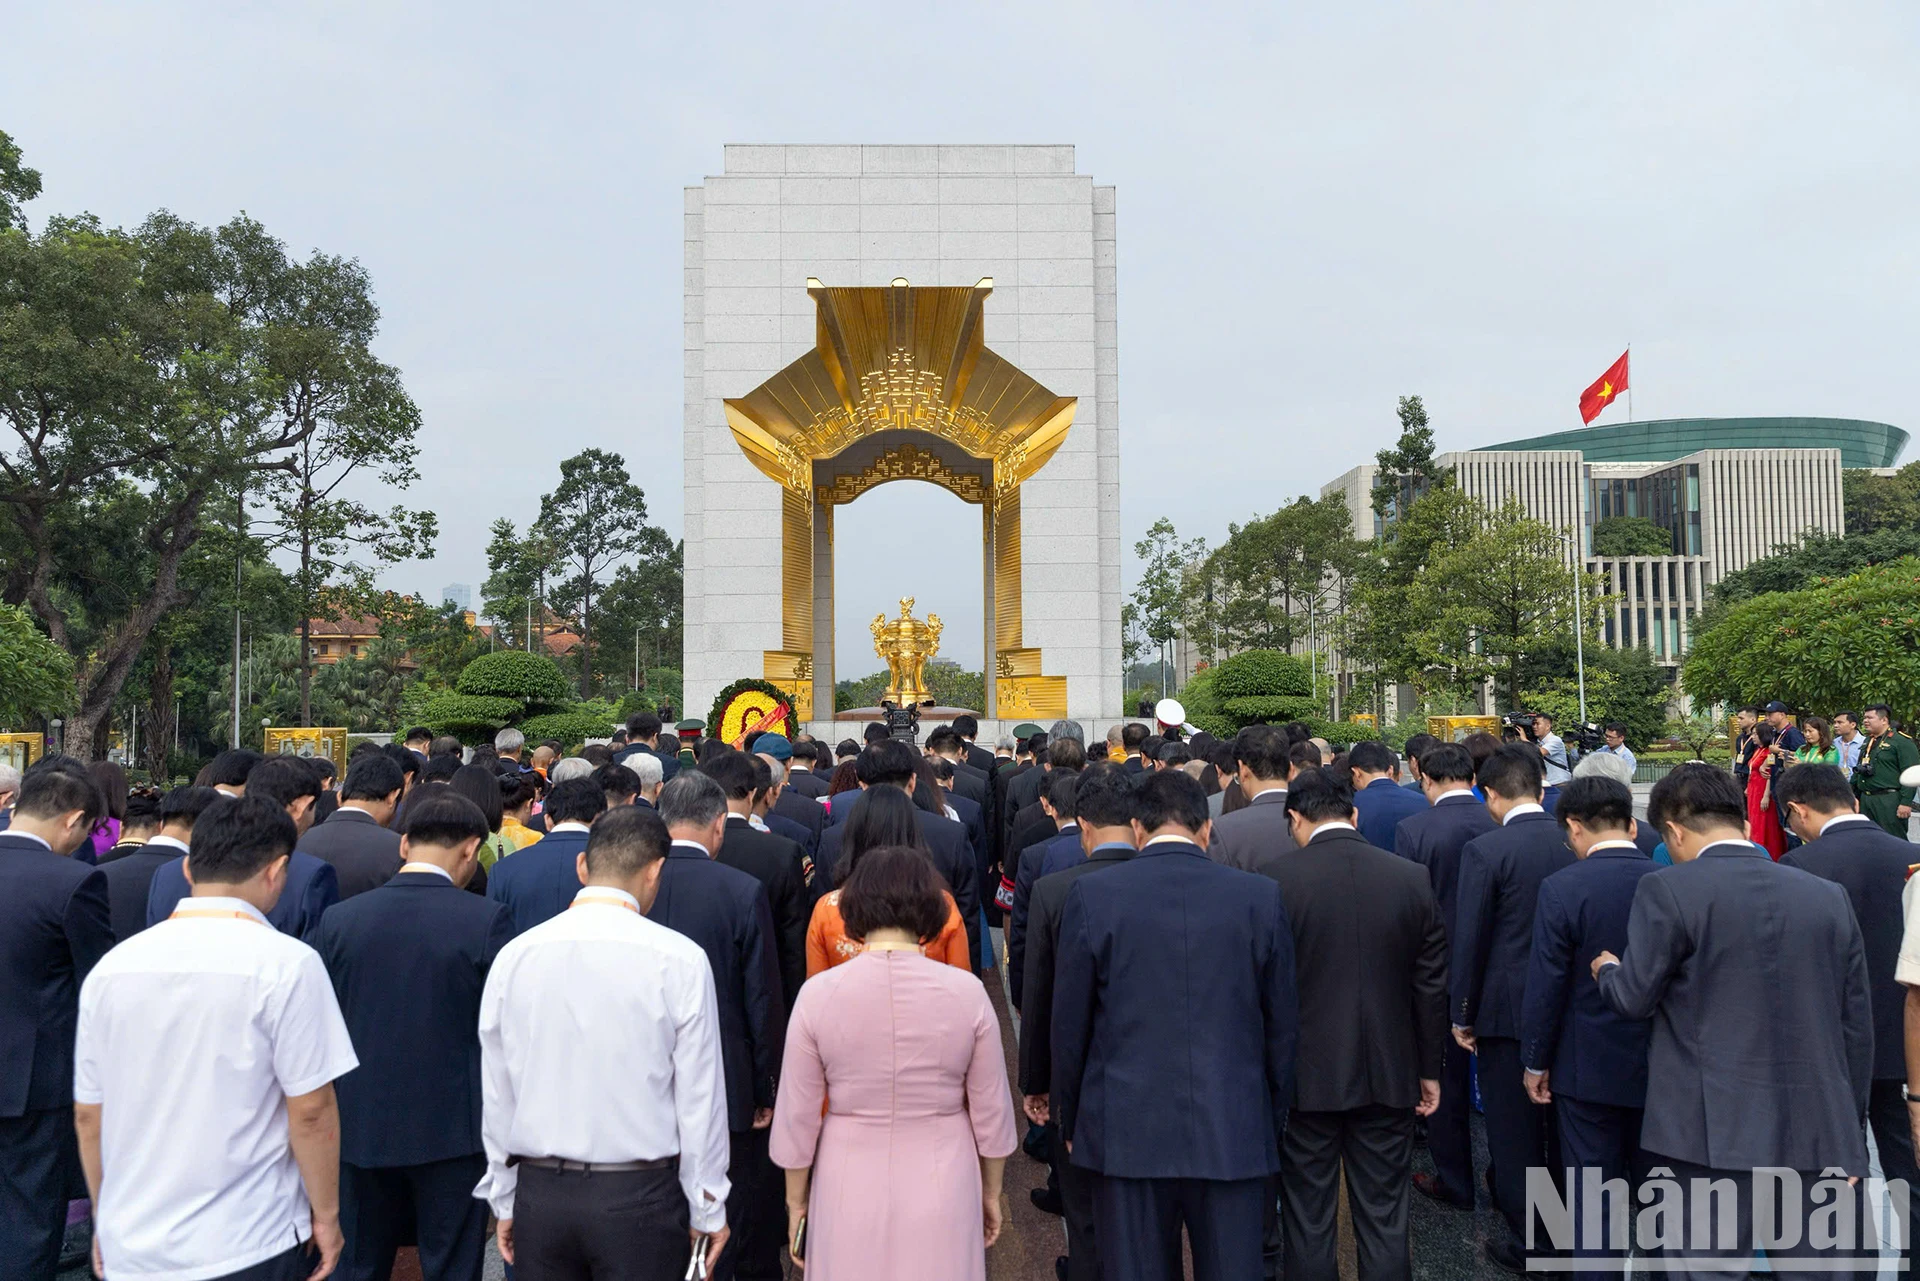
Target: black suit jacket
129 880
1370 963
979 757
1249 837
1434 837
1023 791
808 814
54 926
363 854
774 861
724 910
1755 977
1174 1019
1870 864
1026 875
1500 875
946 843
808 784
974 820
408 963
1042 949
1033 827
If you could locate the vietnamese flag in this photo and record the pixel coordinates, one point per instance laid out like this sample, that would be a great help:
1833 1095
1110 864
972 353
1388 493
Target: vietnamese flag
1601 394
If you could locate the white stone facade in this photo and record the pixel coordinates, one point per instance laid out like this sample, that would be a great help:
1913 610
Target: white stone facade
936 215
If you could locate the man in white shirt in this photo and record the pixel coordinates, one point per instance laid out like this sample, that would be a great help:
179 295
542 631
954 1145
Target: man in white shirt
1847 740
204 1064
1616 745
604 1112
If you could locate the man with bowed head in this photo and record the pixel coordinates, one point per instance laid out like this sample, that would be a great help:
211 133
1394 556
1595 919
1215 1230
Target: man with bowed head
1174 1017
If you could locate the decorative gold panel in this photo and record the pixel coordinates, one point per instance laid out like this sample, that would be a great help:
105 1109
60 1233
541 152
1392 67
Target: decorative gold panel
1031 698
796 571
903 462
295 741
900 359
21 750
793 674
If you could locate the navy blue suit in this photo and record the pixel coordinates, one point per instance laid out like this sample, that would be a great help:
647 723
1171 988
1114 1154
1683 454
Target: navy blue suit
312 887
1500 877
1026 873
54 926
725 911
1596 1059
1381 805
1433 838
538 882
1174 1020
408 962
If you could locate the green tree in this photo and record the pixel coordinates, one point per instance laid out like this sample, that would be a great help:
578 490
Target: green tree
597 518
368 689
1407 467
1159 593
514 595
1631 536
1624 685
36 676
641 610
1266 585
18 184
1386 581
1875 503
1699 730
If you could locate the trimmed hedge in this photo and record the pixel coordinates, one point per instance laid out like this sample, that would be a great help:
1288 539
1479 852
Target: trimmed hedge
1261 673
536 682
471 718
572 728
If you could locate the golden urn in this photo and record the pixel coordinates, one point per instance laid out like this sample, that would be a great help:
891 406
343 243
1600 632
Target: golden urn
906 644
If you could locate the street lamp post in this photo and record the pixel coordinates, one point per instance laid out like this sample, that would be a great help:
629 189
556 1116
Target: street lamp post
1579 624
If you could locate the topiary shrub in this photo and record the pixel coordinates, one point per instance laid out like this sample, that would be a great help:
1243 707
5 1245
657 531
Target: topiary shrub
1262 673
573 728
536 684
471 718
1259 687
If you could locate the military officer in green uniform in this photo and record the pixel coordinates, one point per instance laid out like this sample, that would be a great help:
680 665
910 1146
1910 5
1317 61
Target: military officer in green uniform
1876 779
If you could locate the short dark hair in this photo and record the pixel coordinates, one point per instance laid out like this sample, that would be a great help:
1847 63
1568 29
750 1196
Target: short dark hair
445 745
1104 795
1372 757
1037 743
762 773
893 888
57 785
234 839
1824 789
1480 746
887 761
323 766
1447 763
876 732
1174 753
1320 795
1752 709
444 817
1417 748
284 780
1132 735
1697 796
733 771
1616 727
626 841
419 732
186 804
597 754
884 817
372 777
966 726
1883 709
578 800
692 797
440 769
1304 755
805 751
231 767
1169 796
1597 801
407 760
643 725
1514 773
1852 716
481 786
1067 753
616 779
846 749
1062 791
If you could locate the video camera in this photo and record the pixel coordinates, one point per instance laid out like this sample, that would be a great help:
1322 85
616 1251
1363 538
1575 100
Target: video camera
1589 737
1517 725
903 723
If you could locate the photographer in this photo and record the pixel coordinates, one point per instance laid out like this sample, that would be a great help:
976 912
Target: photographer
1553 755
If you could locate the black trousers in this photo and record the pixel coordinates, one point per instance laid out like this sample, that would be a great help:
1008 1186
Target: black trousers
1893 1137
1606 1140
756 1212
574 1226
296 1264
1449 1132
431 1205
38 1154
1139 1220
1076 1199
1375 1146
1712 1260
1520 1133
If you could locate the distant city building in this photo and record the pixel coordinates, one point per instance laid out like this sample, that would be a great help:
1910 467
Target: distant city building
460 594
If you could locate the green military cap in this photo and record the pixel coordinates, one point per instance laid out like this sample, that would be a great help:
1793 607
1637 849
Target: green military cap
1026 729
690 727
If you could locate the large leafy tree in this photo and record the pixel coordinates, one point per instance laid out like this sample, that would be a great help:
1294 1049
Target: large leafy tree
1265 586
1376 633
1407 467
597 519
1875 503
36 676
18 184
1631 536
641 611
1159 594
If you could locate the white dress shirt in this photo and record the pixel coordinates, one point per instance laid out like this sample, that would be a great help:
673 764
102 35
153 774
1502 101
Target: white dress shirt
1525 807
600 1041
192 1036
167 843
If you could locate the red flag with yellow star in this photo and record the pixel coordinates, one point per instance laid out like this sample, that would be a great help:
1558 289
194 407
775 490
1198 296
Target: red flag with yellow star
1605 388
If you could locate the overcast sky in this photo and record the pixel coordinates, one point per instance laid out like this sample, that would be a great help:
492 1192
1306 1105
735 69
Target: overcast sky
1321 208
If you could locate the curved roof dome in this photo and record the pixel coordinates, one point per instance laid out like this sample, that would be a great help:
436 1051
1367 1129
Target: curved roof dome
1861 443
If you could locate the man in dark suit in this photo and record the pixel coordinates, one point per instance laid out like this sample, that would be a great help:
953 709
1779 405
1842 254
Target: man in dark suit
1133 735
312 886
1841 845
1174 1017
725 911
1260 830
1034 823
408 962
975 786
1058 803
355 840
773 861
807 817
54 925
1024 788
1370 963
1581 1058
643 735
890 763
1434 838
1755 977
1103 800
130 877
1378 798
805 778
1500 876
538 882
968 729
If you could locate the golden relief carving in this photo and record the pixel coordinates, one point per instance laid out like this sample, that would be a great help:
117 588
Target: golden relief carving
903 462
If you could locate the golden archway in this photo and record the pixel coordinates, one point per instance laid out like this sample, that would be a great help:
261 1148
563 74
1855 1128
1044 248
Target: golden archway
900 385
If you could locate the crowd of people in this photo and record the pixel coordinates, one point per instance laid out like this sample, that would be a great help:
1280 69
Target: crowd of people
680 1008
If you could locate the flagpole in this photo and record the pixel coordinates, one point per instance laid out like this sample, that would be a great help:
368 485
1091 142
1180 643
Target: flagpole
1629 382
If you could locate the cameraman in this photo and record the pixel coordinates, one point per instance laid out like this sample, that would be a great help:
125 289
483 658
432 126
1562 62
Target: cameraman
1553 755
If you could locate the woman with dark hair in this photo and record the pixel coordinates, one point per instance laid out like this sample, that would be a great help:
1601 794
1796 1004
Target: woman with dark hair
518 792
112 782
894 1118
1819 749
1763 819
480 786
845 779
887 820
927 792
140 823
